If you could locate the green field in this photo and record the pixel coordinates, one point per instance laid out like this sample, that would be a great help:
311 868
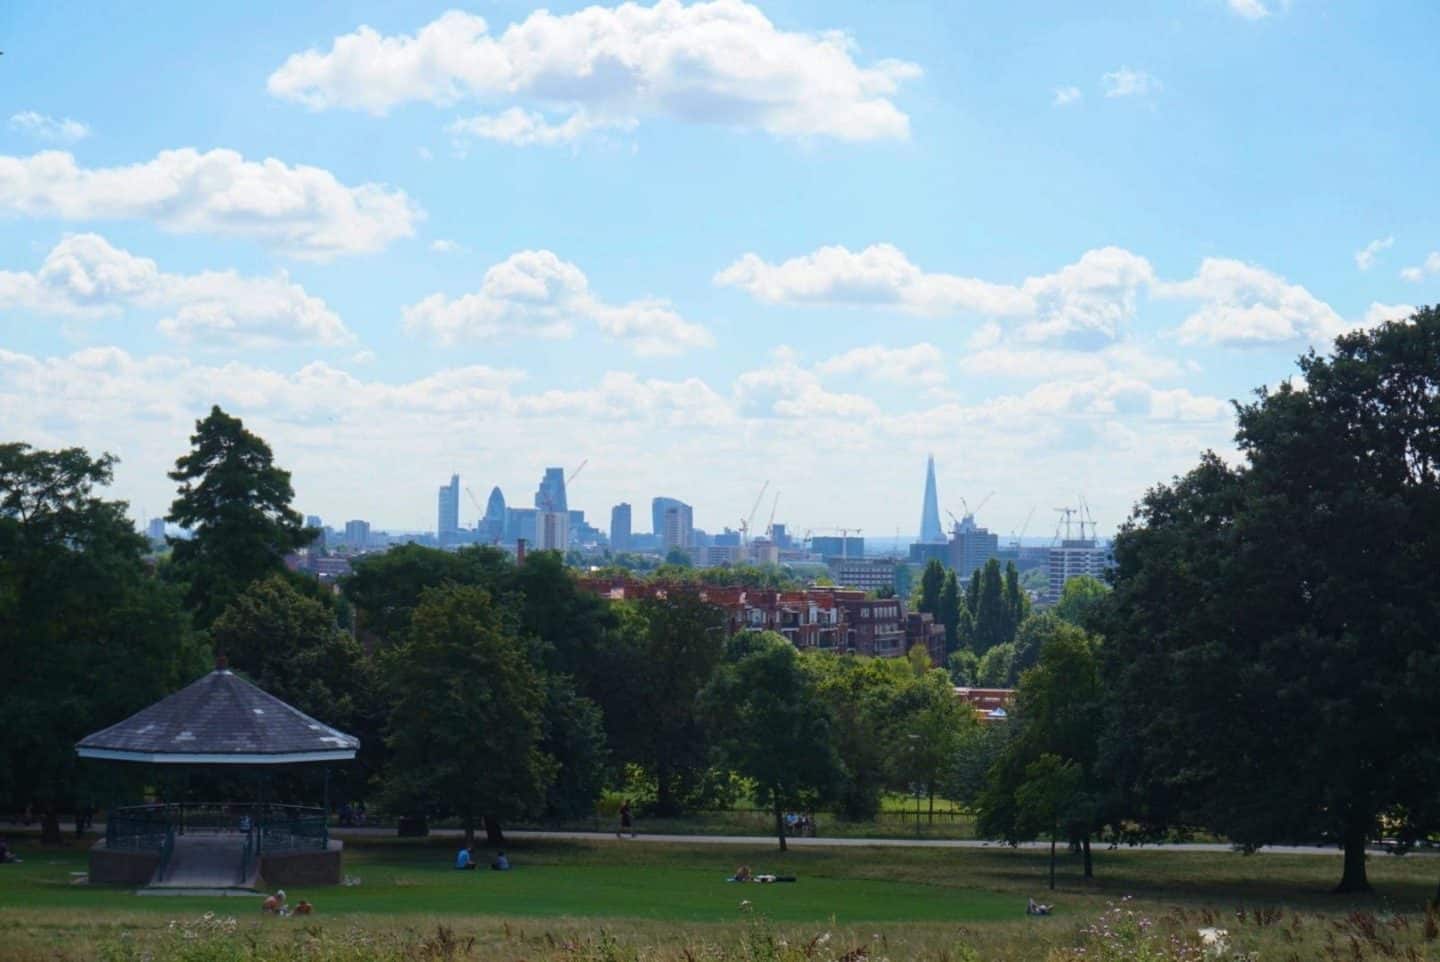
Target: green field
667 898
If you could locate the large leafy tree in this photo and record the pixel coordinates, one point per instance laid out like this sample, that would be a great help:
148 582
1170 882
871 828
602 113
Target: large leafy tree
926 727
932 582
88 635
861 695
385 588
994 616
467 718
236 503
1080 599
1272 638
770 725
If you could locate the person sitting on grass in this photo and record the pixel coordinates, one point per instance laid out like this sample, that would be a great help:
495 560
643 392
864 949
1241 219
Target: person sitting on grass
742 874
501 863
1033 907
465 860
303 908
275 904
5 854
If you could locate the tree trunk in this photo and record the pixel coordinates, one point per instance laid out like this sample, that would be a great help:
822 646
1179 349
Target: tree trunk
50 826
1089 863
469 831
780 824
493 835
664 791
1053 832
1354 879
932 803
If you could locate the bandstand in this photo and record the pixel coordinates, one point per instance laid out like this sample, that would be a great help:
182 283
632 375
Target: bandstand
219 723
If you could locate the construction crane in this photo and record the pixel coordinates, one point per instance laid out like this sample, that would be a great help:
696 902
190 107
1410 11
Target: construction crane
770 525
983 502
576 473
749 519
844 537
1021 536
481 511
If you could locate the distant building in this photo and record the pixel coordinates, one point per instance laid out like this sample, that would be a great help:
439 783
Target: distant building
491 528
447 524
922 553
357 534
550 496
155 531
781 536
620 527
552 530
311 521
1072 558
867 574
726 539
763 551
676 528
844 547
930 530
721 554
971 546
520 523
658 507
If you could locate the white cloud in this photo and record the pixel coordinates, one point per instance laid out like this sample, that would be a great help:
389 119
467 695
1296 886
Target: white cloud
1088 301
720 62
85 277
54 130
304 211
1127 82
1248 305
1019 362
1249 9
443 246
1431 265
920 365
1366 256
1380 313
1065 96
526 128
536 293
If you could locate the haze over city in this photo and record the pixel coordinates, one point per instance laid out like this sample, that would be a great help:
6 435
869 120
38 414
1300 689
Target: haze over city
1047 245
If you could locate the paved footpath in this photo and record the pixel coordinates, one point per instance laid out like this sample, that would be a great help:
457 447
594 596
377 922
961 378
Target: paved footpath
98 829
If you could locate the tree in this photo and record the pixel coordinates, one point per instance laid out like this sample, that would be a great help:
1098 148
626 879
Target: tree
386 587
682 645
89 634
1080 598
770 725
291 646
932 581
964 667
1044 798
996 667
993 616
949 611
861 695
1031 637
927 725
1270 637
236 504
467 716
1017 602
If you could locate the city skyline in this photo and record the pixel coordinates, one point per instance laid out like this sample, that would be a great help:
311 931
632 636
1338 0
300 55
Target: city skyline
1048 246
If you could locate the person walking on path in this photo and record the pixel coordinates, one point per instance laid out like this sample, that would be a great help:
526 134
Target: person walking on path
627 824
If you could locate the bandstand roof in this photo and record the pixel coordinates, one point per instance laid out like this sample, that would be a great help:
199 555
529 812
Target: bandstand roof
221 719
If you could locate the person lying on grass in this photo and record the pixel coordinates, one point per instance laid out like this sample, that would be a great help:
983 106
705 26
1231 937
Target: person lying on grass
743 874
1033 907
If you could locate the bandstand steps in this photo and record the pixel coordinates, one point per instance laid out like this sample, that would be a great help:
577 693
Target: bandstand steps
204 862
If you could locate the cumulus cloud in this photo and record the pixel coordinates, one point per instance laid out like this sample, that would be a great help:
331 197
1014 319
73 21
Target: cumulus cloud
443 246
1429 267
85 277
527 128
1247 305
53 130
1065 96
920 365
719 62
1249 9
1087 302
1380 313
1366 256
304 211
1127 82
535 293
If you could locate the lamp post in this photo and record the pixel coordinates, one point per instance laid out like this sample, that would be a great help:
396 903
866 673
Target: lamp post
915 785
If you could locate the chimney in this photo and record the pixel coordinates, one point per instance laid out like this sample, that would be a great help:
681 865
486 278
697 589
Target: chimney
520 551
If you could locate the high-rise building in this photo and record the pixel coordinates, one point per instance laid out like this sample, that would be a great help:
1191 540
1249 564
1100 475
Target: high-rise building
930 530
971 546
491 528
658 509
781 536
313 521
552 530
550 496
829 547
1070 559
495 506
447 525
677 528
620 527
357 534
155 531
867 574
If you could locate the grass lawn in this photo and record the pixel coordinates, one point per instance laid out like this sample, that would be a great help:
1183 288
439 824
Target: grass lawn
667 897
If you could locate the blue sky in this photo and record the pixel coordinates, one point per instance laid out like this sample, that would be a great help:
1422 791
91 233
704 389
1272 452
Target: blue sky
701 245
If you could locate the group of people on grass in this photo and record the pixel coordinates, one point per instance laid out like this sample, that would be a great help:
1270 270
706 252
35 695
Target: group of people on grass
798 825
465 860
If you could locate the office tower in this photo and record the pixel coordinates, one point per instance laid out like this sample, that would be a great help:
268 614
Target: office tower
780 535
829 547
930 530
971 546
495 506
520 523
550 496
1071 558
552 530
313 521
658 507
620 527
156 531
357 533
676 528
447 526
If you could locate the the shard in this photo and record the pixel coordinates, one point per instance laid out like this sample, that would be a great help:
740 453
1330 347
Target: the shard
930 529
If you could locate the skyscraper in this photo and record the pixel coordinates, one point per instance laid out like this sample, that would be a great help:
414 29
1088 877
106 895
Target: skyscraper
658 507
552 530
620 527
491 528
495 507
930 530
677 528
550 496
447 527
